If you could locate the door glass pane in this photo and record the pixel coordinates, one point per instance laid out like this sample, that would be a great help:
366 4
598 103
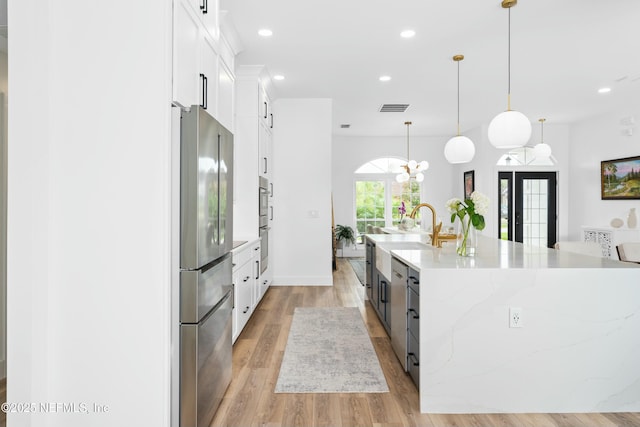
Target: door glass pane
505 207
369 205
534 212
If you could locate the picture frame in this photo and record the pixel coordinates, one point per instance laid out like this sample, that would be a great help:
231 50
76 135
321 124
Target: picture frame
469 183
620 179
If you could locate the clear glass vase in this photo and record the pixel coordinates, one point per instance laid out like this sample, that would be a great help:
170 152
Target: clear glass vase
467 242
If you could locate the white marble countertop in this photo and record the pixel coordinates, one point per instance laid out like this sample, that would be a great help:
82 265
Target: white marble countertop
492 253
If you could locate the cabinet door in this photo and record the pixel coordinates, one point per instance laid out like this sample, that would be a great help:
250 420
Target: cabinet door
187 33
209 69
244 289
264 106
264 149
225 96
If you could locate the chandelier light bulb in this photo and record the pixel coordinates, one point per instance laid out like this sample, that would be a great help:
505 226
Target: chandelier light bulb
509 129
459 149
412 164
424 165
399 178
419 177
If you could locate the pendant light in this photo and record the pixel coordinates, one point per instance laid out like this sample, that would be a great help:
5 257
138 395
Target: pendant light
510 129
459 149
542 150
412 169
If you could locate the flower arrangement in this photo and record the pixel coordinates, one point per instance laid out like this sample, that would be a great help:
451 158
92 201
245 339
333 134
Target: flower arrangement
471 213
406 223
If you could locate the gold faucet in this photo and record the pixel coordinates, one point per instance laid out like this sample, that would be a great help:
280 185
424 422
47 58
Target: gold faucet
435 230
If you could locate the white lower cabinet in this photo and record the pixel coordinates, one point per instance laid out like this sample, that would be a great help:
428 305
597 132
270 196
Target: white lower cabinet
245 279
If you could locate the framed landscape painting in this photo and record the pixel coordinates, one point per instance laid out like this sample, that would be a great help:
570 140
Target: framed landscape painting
620 178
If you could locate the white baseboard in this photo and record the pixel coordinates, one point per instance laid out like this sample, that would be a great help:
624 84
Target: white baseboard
302 281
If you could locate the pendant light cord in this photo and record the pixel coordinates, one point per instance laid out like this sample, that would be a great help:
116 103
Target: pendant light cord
458 98
408 156
509 64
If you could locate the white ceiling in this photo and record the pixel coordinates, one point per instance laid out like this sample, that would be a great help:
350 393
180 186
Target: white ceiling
562 52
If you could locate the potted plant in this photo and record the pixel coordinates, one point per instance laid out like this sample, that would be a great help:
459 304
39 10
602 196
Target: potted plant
345 233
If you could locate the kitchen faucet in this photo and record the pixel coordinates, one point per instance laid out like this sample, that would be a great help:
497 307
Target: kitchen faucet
436 237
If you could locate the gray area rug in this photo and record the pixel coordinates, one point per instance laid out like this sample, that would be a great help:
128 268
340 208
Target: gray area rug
329 351
358 266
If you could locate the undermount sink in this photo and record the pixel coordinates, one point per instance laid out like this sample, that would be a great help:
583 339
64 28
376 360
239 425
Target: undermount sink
383 254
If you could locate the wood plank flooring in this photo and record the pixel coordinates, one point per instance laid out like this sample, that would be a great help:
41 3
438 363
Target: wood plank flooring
257 354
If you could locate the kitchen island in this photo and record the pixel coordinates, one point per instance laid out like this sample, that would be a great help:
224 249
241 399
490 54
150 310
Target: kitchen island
577 347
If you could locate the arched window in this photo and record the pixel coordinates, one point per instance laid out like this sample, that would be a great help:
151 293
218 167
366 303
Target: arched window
378 195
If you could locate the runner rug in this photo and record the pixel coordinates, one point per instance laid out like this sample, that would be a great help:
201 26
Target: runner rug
329 351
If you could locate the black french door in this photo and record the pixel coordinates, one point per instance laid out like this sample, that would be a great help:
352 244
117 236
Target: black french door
528 207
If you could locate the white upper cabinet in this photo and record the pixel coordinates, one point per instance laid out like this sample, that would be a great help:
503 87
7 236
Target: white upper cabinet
208 75
207 13
226 104
197 43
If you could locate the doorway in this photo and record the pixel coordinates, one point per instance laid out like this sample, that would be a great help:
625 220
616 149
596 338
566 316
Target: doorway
528 207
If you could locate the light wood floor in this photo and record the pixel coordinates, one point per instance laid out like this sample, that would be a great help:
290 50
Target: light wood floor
257 354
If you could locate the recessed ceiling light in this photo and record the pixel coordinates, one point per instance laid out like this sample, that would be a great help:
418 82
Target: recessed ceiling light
384 78
407 34
604 90
278 77
265 32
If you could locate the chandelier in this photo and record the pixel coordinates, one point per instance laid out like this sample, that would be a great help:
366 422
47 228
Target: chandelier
412 169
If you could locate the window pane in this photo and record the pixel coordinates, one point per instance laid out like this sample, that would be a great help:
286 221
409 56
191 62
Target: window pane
369 205
407 192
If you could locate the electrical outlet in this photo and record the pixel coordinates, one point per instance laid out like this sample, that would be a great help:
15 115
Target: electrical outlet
515 317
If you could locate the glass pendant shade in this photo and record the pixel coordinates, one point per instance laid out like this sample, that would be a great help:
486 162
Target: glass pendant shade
542 151
423 165
509 129
419 177
459 149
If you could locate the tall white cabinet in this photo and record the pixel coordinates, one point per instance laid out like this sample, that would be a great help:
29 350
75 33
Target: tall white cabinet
254 157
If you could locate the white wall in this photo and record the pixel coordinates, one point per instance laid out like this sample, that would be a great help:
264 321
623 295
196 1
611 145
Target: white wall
302 187
592 141
89 211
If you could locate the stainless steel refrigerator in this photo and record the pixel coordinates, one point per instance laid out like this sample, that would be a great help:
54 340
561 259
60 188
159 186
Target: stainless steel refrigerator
206 223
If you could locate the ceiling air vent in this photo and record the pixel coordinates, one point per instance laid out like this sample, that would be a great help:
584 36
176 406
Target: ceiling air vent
394 108
345 126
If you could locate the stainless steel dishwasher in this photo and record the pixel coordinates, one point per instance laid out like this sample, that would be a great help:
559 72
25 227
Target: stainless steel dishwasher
399 310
